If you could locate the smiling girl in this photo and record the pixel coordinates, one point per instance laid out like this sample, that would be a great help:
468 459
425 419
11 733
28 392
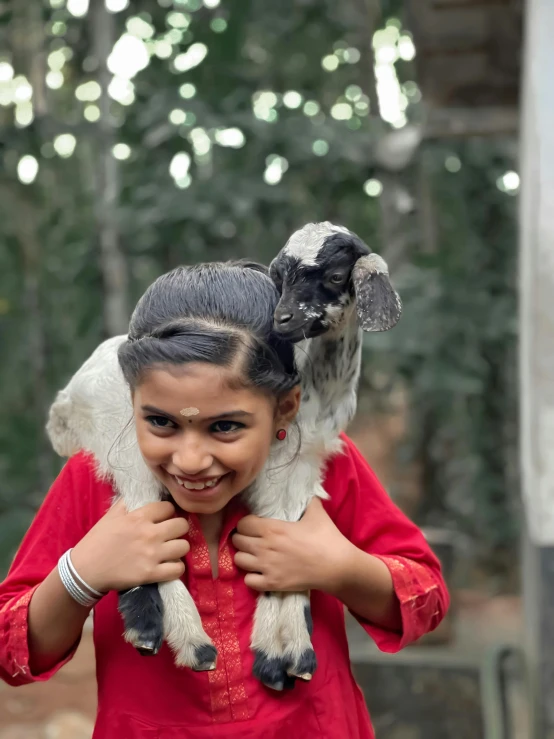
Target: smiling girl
213 388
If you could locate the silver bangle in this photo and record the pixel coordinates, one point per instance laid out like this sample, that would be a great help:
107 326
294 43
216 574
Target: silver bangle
71 581
79 579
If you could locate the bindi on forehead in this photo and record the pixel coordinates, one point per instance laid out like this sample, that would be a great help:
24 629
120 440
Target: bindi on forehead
192 411
187 412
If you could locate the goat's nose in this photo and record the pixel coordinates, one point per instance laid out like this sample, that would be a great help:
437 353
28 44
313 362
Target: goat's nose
282 318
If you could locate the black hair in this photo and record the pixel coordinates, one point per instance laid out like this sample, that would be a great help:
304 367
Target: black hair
220 313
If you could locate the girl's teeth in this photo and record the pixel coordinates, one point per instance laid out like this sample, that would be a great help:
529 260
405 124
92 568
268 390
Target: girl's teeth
197 485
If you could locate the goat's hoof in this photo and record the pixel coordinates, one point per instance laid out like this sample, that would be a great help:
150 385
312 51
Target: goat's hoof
206 658
305 677
145 644
304 667
271 671
147 648
286 683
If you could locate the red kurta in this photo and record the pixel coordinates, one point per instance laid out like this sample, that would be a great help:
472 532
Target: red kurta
148 697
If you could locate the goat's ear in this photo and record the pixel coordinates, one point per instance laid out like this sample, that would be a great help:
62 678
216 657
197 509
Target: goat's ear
378 305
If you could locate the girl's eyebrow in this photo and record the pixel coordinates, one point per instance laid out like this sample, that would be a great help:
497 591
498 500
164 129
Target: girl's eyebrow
159 412
227 414
230 414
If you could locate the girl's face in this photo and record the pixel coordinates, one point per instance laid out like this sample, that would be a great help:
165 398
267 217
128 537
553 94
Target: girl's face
207 458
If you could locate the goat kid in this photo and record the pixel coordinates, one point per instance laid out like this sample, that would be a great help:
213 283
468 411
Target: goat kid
94 413
332 288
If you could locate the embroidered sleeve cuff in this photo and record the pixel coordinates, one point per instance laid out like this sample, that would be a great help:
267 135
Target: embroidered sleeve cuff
14 660
421 605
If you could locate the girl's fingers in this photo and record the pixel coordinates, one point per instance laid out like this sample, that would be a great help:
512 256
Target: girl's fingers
159 511
247 562
176 549
251 526
246 543
174 528
169 571
256 582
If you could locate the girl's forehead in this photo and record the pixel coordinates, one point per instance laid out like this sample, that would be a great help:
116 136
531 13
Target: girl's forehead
199 386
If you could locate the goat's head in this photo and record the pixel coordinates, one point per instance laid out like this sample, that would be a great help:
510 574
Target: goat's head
322 272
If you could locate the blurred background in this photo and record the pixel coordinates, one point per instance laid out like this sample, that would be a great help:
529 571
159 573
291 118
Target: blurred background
140 134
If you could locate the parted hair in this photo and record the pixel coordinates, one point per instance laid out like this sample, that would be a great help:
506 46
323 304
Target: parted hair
218 312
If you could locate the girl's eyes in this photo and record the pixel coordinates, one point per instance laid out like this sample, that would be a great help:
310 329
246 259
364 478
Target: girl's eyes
226 427
219 427
160 422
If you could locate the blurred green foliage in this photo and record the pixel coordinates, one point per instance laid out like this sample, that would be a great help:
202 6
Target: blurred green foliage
454 348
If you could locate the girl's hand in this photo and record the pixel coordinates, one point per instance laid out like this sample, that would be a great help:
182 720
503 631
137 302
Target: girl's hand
310 554
124 549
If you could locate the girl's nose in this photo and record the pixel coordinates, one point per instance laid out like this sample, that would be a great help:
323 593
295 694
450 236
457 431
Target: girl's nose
192 456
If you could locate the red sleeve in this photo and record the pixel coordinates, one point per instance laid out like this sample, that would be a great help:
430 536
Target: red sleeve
69 510
364 513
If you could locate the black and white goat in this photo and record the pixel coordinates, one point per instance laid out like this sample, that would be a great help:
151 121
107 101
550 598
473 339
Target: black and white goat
332 287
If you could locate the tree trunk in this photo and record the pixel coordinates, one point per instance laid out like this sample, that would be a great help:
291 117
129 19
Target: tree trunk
113 263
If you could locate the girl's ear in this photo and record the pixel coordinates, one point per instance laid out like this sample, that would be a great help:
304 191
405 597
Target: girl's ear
287 407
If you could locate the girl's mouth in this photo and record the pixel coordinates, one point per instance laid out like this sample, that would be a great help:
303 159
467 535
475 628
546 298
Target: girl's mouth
199 485
208 487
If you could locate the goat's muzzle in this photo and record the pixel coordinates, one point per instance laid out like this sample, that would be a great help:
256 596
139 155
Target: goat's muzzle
296 325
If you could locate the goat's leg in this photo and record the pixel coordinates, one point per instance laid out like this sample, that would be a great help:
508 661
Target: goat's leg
270 666
295 622
183 629
281 639
281 636
152 612
142 608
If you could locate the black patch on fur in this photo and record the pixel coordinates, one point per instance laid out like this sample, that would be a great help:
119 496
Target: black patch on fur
142 611
341 250
290 681
206 655
308 618
331 352
272 672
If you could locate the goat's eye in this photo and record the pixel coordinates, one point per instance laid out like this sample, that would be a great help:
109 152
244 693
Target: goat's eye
337 278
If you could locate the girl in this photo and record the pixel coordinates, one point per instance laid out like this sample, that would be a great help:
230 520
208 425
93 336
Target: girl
201 340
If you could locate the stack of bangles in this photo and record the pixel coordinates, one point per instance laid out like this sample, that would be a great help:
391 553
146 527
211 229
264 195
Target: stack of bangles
77 588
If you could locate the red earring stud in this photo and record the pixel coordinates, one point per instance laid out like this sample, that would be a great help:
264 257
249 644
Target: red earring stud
281 434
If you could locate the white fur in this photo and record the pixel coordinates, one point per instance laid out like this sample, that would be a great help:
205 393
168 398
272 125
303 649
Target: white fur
305 243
